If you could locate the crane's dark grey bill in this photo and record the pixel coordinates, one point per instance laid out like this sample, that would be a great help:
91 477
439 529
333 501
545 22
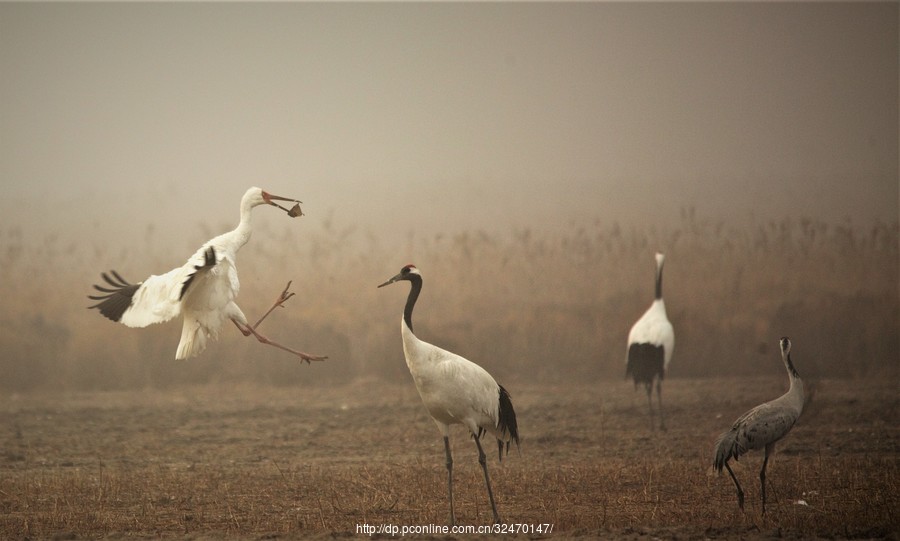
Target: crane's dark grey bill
391 281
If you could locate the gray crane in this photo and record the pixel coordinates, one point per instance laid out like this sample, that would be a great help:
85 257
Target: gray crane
762 427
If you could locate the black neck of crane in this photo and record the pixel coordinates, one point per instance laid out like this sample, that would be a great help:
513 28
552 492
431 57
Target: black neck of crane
415 288
659 270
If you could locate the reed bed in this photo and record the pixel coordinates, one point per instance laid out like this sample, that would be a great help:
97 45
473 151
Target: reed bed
555 305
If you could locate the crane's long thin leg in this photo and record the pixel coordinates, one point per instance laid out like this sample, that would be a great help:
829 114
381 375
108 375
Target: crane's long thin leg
649 387
740 492
282 297
450 478
482 459
762 477
662 419
247 330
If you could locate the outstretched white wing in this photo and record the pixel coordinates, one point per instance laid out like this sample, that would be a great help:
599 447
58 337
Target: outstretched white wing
156 299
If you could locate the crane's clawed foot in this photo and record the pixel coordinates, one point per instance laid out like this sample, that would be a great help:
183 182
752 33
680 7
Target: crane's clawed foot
285 295
307 357
279 302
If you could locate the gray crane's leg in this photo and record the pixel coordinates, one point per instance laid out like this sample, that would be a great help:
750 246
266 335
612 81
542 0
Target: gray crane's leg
662 419
762 476
649 387
740 492
482 459
450 478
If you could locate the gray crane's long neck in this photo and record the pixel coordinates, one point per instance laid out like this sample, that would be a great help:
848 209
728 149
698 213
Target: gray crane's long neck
796 392
414 290
792 372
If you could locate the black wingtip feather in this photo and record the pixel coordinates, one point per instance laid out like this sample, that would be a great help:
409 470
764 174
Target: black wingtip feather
116 301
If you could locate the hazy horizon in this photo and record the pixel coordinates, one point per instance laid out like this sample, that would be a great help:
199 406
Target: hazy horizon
439 118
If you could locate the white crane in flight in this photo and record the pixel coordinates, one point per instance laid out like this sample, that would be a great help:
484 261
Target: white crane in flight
203 290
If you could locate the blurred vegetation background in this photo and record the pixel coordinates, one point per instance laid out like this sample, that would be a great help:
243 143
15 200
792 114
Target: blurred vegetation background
527 305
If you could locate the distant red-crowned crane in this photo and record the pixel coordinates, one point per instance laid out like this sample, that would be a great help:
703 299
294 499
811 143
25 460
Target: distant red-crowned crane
762 426
455 391
202 290
650 345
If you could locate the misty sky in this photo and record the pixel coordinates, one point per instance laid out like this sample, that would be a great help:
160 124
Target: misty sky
446 117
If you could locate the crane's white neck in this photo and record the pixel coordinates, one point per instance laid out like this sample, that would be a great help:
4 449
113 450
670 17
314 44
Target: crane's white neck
658 307
244 230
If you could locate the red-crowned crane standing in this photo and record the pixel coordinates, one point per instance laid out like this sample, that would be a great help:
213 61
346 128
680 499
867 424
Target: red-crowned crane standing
762 427
203 290
650 345
455 391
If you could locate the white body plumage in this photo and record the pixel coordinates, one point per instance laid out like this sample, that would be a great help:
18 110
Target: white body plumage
453 389
210 301
654 328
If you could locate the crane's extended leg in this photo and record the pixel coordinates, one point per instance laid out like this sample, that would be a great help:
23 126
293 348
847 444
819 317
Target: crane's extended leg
762 477
482 459
247 330
650 404
740 492
450 478
662 419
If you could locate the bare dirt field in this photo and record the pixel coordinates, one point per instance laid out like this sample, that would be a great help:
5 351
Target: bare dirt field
252 462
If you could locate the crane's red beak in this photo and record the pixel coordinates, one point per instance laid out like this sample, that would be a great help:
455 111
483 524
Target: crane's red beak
293 212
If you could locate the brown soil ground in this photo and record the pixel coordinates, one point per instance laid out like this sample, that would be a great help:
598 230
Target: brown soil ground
248 462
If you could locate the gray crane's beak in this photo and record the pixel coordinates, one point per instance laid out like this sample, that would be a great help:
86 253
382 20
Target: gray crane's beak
391 281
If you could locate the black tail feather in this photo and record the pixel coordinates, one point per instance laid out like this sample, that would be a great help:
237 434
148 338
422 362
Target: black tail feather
506 423
646 362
